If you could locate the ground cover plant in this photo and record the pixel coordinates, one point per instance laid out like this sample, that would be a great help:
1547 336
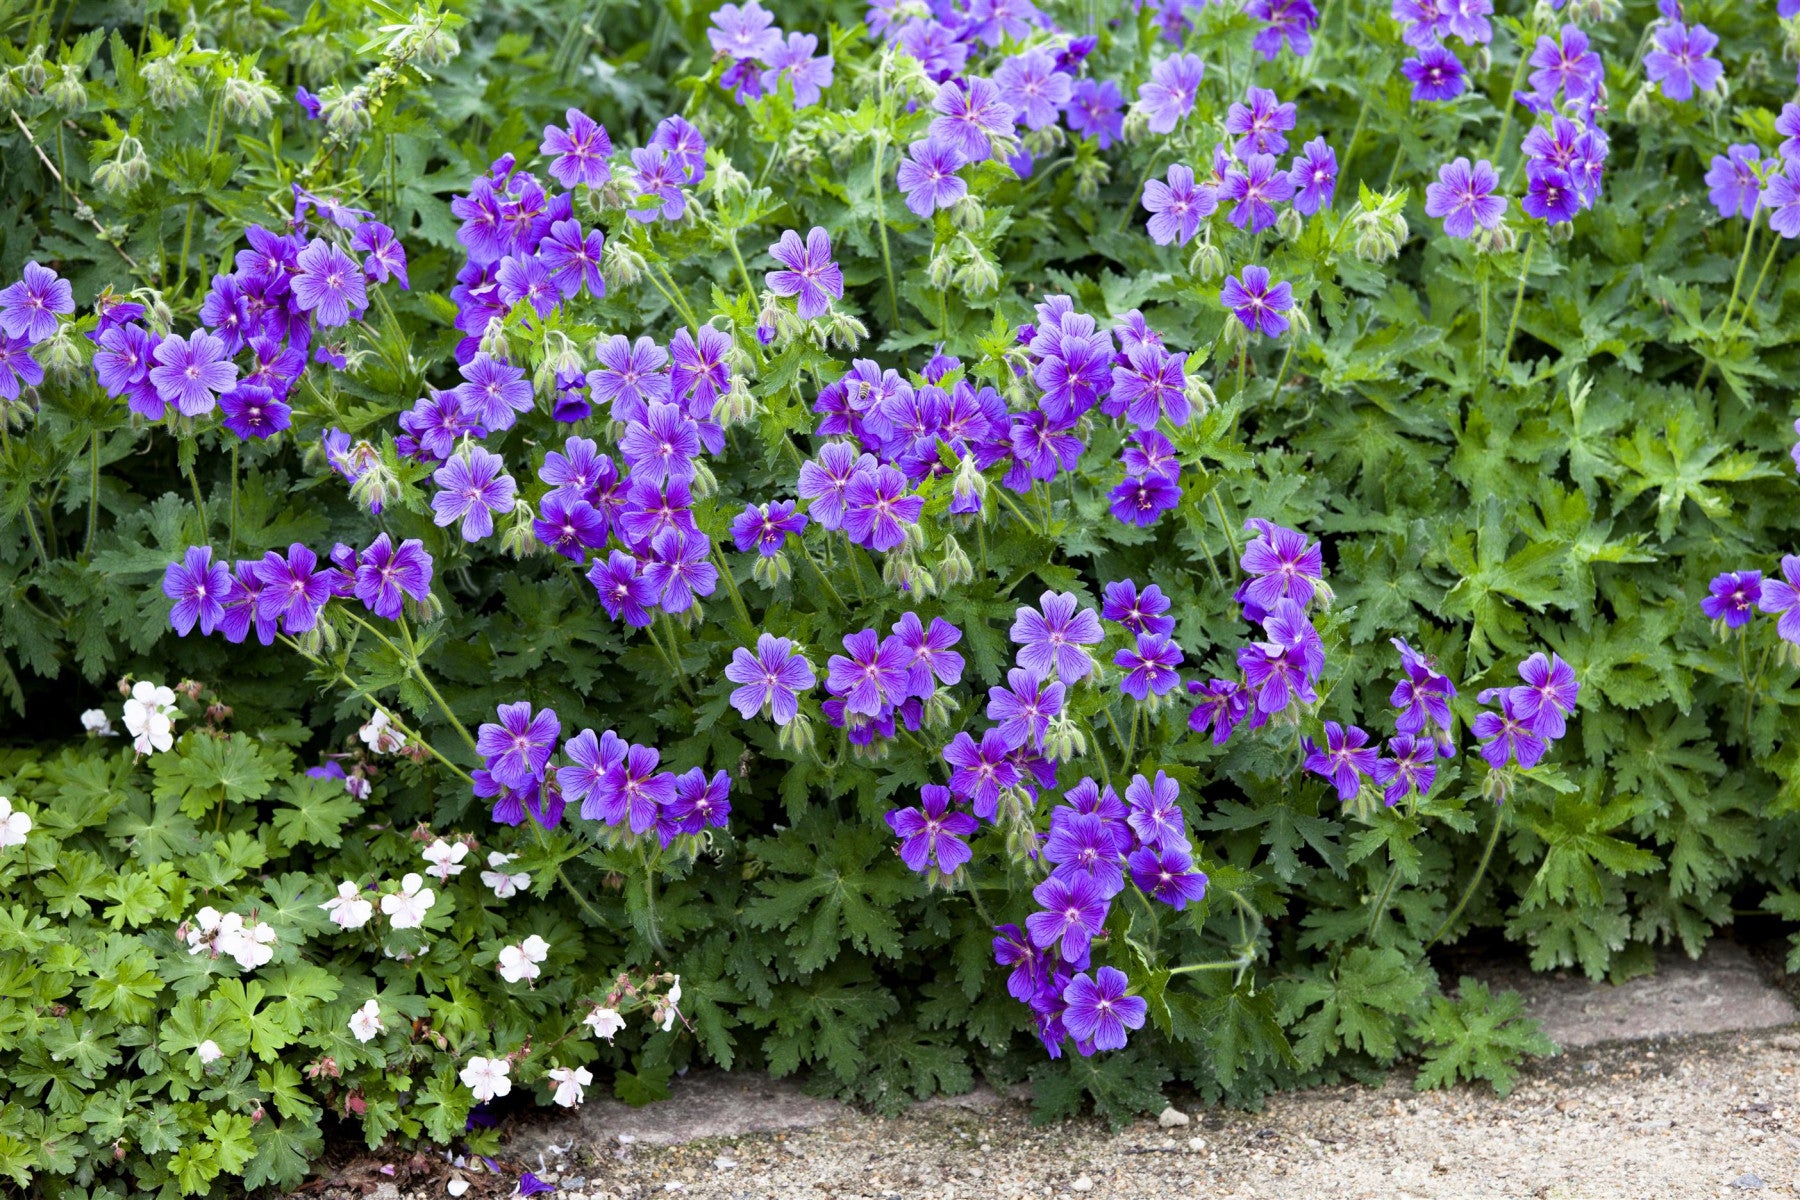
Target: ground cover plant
549 545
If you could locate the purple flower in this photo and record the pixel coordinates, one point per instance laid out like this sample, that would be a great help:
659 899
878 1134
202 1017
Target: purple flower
578 471
1167 873
1095 111
1099 1012
493 391
698 802
524 277
809 272
1464 197
329 284
1314 176
1033 87
1023 708
938 50
826 481
1436 75
1782 198
122 361
1734 182
1143 500
794 62
657 176
1177 207
1550 688
1074 911
472 487
253 412
678 568
569 527
309 103
1505 735
877 508
1780 596
1149 667
1148 385
634 791
384 574
1169 95
971 112
1223 703
1550 195
518 748
981 772
199 587
929 176
1258 305
932 833
1735 596
766 527
698 373
1013 949
572 259
1260 124
872 673
1679 63
1343 761
743 31
773 677
1281 562
1788 125
1423 696
1566 64
933 660
662 446
1051 637
579 153
1155 811
1257 185
292 592
630 376
1411 769
1141 613
1082 843
190 370
623 589
30 306
1291 23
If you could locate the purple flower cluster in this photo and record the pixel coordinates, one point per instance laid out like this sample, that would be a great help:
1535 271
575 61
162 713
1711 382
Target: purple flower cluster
29 308
1679 60
1422 736
1736 596
876 679
1530 715
613 781
286 593
758 58
1096 842
1435 72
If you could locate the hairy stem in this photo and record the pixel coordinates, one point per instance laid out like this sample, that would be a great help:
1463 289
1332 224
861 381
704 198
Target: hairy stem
1487 854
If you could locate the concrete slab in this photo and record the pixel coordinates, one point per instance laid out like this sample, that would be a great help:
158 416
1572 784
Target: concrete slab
1721 992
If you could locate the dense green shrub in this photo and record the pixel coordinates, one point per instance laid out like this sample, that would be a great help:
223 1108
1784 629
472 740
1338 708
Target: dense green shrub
1545 439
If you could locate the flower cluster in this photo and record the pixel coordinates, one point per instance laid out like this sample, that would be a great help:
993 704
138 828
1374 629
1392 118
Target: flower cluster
29 308
248 941
876 679
150 716
1529 716
757 58
14 825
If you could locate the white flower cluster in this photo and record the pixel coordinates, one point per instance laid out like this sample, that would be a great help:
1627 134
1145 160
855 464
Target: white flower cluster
247 940
150 715
13 825
446 859
488 1078
521 961
404 909
380 736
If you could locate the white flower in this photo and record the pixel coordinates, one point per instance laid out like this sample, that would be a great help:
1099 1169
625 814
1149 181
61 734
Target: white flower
505 886
96 722
445 859
13 825
380 735
150 717
487 1078
569 1082
250 942
604 1022
667 1011
349 909
208 1052
407 907
365 1022
521 961
206 928
357 786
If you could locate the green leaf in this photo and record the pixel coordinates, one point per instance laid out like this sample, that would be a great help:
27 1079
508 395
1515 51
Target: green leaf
1477 1036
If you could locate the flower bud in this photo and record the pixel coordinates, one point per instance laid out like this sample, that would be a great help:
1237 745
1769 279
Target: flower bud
1207 263
60 355
377 483
1090 176
969 486
1498 785
12 87
346 114
726 181
1200 394
248 101
520 539
1501 239
1290 224
68 94
773 570
494 342
845 331
704 483
622 264
1063 740
737 406
1641 110
32 69
954 568
978 276
168 84
796 737
940 268
968 213
437 45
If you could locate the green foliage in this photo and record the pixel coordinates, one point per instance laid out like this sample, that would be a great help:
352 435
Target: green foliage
1477 1035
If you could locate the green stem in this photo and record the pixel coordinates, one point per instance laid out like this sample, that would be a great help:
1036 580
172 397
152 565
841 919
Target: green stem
1131 740
1225 523
93 521
199 504
1481 867
850 557
1362 115
1761 274
437 698
668 659
1507 104
675 652
820 572
231 536
1512 325
743 271
887 260
1737 280
737 599
1282 373
676 298
1484 320
1229 964
1006 495
1744 674
654 932
1381 901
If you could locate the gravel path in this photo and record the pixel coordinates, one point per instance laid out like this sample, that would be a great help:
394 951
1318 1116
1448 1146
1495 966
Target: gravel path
1708 1116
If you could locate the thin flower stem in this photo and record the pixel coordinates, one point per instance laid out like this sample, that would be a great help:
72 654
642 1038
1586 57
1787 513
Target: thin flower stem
1118 738
820 572
1282 373
887 259
1225 523
737 599
1099 755
1737 280
1744 674
975 898
1137 195
1381 901
1228 964
1484 321
1750 303
437 698
1518 301
1362 116
1507 104
654 932
1018 512
850 557
1481 867
93 520
562 877
743 271
680 301
1131 739
674 654
199 504
64 183
231 529
668 661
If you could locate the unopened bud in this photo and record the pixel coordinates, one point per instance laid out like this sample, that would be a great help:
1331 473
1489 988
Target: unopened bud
168 84
248 101
622 264
1290 224
772 570
796 737
520 539
954 568
968 213
1207 263
69 93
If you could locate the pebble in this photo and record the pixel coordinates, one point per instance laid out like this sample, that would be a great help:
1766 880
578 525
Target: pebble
1197 1144
457 1187
794 1150
724 1162
1083 1184
1749 1181
1787 1041
1172 1118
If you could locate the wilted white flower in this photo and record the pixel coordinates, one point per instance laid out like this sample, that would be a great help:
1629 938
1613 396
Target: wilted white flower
604 1022
349 909
13 825
407 907
488 1078
666 1011
150 714
505 886
365 1022
208 1052
380 736
521 961
357 786
445 859
569 1082
97 723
